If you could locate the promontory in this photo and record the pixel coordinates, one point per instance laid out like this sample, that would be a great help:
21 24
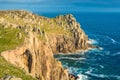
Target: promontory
29 41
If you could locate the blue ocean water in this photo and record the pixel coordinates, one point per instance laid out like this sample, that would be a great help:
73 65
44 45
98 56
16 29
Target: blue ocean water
100 19
104 30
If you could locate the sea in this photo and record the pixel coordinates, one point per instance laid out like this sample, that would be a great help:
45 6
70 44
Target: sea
103 29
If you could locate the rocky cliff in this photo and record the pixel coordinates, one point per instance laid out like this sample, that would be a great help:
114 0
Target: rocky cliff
41 38
76 40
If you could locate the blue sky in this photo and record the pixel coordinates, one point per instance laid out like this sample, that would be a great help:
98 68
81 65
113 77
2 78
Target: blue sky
62 5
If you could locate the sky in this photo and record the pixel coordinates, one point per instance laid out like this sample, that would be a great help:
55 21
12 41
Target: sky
62 5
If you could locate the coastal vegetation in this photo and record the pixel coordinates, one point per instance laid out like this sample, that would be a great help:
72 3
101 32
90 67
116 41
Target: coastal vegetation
28 43
10 40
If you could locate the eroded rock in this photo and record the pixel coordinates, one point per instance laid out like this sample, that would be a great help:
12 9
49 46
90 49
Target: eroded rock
35 56
8 77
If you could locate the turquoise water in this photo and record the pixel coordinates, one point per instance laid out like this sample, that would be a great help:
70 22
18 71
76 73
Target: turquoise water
104 30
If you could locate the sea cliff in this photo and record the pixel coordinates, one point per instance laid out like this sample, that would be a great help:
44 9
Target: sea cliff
29 41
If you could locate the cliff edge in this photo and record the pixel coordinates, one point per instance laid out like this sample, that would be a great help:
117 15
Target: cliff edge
29 41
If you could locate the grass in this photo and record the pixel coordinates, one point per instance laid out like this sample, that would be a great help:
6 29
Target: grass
9 40
54 28
8 69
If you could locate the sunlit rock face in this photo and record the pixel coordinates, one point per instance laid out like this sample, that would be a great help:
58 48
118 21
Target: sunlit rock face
43 38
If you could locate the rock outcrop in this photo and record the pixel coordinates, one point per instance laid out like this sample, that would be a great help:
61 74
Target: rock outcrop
44 37
64 43
8 77
36 59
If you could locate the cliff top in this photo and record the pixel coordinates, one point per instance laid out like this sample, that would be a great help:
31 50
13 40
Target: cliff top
62 33
16 24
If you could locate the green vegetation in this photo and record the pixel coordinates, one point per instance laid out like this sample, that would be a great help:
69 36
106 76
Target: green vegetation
11 37
54 28
51 27
9 40
8 69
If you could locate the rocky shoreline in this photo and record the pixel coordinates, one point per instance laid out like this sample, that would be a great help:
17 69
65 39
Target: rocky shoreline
43 37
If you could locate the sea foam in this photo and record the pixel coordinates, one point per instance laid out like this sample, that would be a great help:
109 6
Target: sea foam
115 54
92 41
82 77
103 76
70 58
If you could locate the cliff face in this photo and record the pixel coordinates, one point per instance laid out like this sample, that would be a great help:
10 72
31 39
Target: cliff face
43 38
36 59
77 40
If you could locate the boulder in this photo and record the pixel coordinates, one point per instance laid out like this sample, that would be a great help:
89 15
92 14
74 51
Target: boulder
8 77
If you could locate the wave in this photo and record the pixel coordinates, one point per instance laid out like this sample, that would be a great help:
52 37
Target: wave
73 70
82 77
89 71
109 54
92 41
102 76
113 40
70 58
78 73
118 53
103 38
101 66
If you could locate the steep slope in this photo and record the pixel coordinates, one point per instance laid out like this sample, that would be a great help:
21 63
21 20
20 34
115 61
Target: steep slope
75 40
36 39
36 59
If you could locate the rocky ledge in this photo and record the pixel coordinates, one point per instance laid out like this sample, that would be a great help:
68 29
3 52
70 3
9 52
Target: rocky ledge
41 38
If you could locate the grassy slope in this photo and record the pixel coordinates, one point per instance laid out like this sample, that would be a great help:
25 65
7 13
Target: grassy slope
6 68
9 40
